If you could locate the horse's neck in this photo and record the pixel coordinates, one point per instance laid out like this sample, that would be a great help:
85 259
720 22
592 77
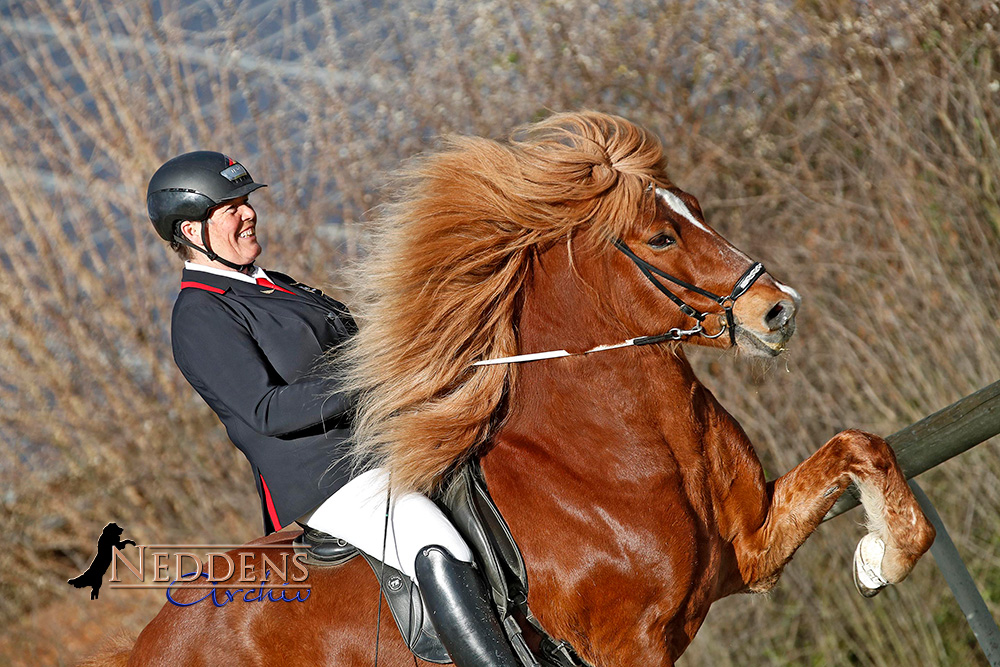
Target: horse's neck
611 452
642 397
632 393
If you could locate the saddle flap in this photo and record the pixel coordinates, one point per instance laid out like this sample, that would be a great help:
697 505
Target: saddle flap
408 611
460 502
496 526
468 502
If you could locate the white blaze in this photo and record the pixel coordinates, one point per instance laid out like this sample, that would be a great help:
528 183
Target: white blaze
678 207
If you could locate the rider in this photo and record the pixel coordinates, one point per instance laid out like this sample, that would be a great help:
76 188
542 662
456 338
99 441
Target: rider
248 341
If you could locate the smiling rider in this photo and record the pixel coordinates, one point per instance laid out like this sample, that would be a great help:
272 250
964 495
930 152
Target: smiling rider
249 342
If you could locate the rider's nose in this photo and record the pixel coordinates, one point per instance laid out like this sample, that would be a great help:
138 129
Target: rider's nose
779 315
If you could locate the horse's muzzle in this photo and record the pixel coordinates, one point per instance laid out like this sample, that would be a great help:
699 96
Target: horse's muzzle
765 323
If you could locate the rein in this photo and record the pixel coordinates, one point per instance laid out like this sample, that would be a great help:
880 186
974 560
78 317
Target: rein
673 334
748 278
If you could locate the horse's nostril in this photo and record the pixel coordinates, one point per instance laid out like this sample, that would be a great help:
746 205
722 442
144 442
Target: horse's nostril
779 315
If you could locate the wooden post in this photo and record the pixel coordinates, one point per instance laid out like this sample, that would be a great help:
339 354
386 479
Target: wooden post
939 437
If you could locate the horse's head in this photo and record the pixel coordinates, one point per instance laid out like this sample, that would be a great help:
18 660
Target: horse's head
477 260
689 279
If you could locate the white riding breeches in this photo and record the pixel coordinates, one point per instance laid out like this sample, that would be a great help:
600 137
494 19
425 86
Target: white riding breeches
356 514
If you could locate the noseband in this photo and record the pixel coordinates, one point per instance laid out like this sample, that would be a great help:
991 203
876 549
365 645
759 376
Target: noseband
727 302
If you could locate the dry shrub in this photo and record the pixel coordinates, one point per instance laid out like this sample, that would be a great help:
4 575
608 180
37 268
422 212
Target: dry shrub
852 147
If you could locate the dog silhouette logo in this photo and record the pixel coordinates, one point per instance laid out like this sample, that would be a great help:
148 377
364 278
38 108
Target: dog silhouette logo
94 575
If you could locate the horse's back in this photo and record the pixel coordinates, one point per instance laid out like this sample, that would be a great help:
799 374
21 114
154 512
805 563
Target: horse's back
333 622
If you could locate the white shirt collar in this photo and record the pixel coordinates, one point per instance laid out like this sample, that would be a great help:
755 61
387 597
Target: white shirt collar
228 273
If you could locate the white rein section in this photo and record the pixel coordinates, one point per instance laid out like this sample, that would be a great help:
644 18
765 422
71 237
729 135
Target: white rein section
672 335
551 354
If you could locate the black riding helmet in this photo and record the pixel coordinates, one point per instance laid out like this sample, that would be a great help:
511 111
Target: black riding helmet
188 187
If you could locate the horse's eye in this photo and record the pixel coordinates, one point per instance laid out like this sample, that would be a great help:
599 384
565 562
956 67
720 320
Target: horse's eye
661 241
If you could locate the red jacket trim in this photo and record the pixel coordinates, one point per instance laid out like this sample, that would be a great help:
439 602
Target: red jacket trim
270 505
208 288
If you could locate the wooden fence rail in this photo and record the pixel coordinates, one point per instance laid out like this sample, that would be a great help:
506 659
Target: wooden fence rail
930 442
939 437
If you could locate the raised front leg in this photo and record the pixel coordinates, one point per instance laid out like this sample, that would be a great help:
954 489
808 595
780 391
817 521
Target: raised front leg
899 533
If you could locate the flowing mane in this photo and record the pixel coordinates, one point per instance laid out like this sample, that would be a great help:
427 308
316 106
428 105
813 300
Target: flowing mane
448 259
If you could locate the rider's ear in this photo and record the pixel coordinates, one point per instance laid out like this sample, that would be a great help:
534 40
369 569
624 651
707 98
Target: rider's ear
191 229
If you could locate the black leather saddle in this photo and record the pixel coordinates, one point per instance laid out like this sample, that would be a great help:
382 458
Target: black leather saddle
323 550
467 502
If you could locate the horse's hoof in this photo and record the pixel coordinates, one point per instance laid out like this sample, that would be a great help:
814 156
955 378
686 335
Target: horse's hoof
868 565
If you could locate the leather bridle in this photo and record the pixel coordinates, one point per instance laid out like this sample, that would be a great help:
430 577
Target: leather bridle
727 302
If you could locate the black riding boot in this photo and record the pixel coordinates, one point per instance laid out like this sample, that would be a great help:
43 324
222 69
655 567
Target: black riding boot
460 611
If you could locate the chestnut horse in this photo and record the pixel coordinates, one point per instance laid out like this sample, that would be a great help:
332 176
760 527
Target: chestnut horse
636 499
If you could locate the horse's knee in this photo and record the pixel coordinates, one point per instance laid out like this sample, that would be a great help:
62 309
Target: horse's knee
866 454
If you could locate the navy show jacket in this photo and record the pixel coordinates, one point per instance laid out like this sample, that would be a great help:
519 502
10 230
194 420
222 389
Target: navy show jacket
252 353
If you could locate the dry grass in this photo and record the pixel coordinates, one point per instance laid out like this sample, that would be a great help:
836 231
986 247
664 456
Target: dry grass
852 147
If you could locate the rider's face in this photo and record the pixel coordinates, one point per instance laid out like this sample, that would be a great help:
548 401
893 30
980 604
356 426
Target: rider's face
232 232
